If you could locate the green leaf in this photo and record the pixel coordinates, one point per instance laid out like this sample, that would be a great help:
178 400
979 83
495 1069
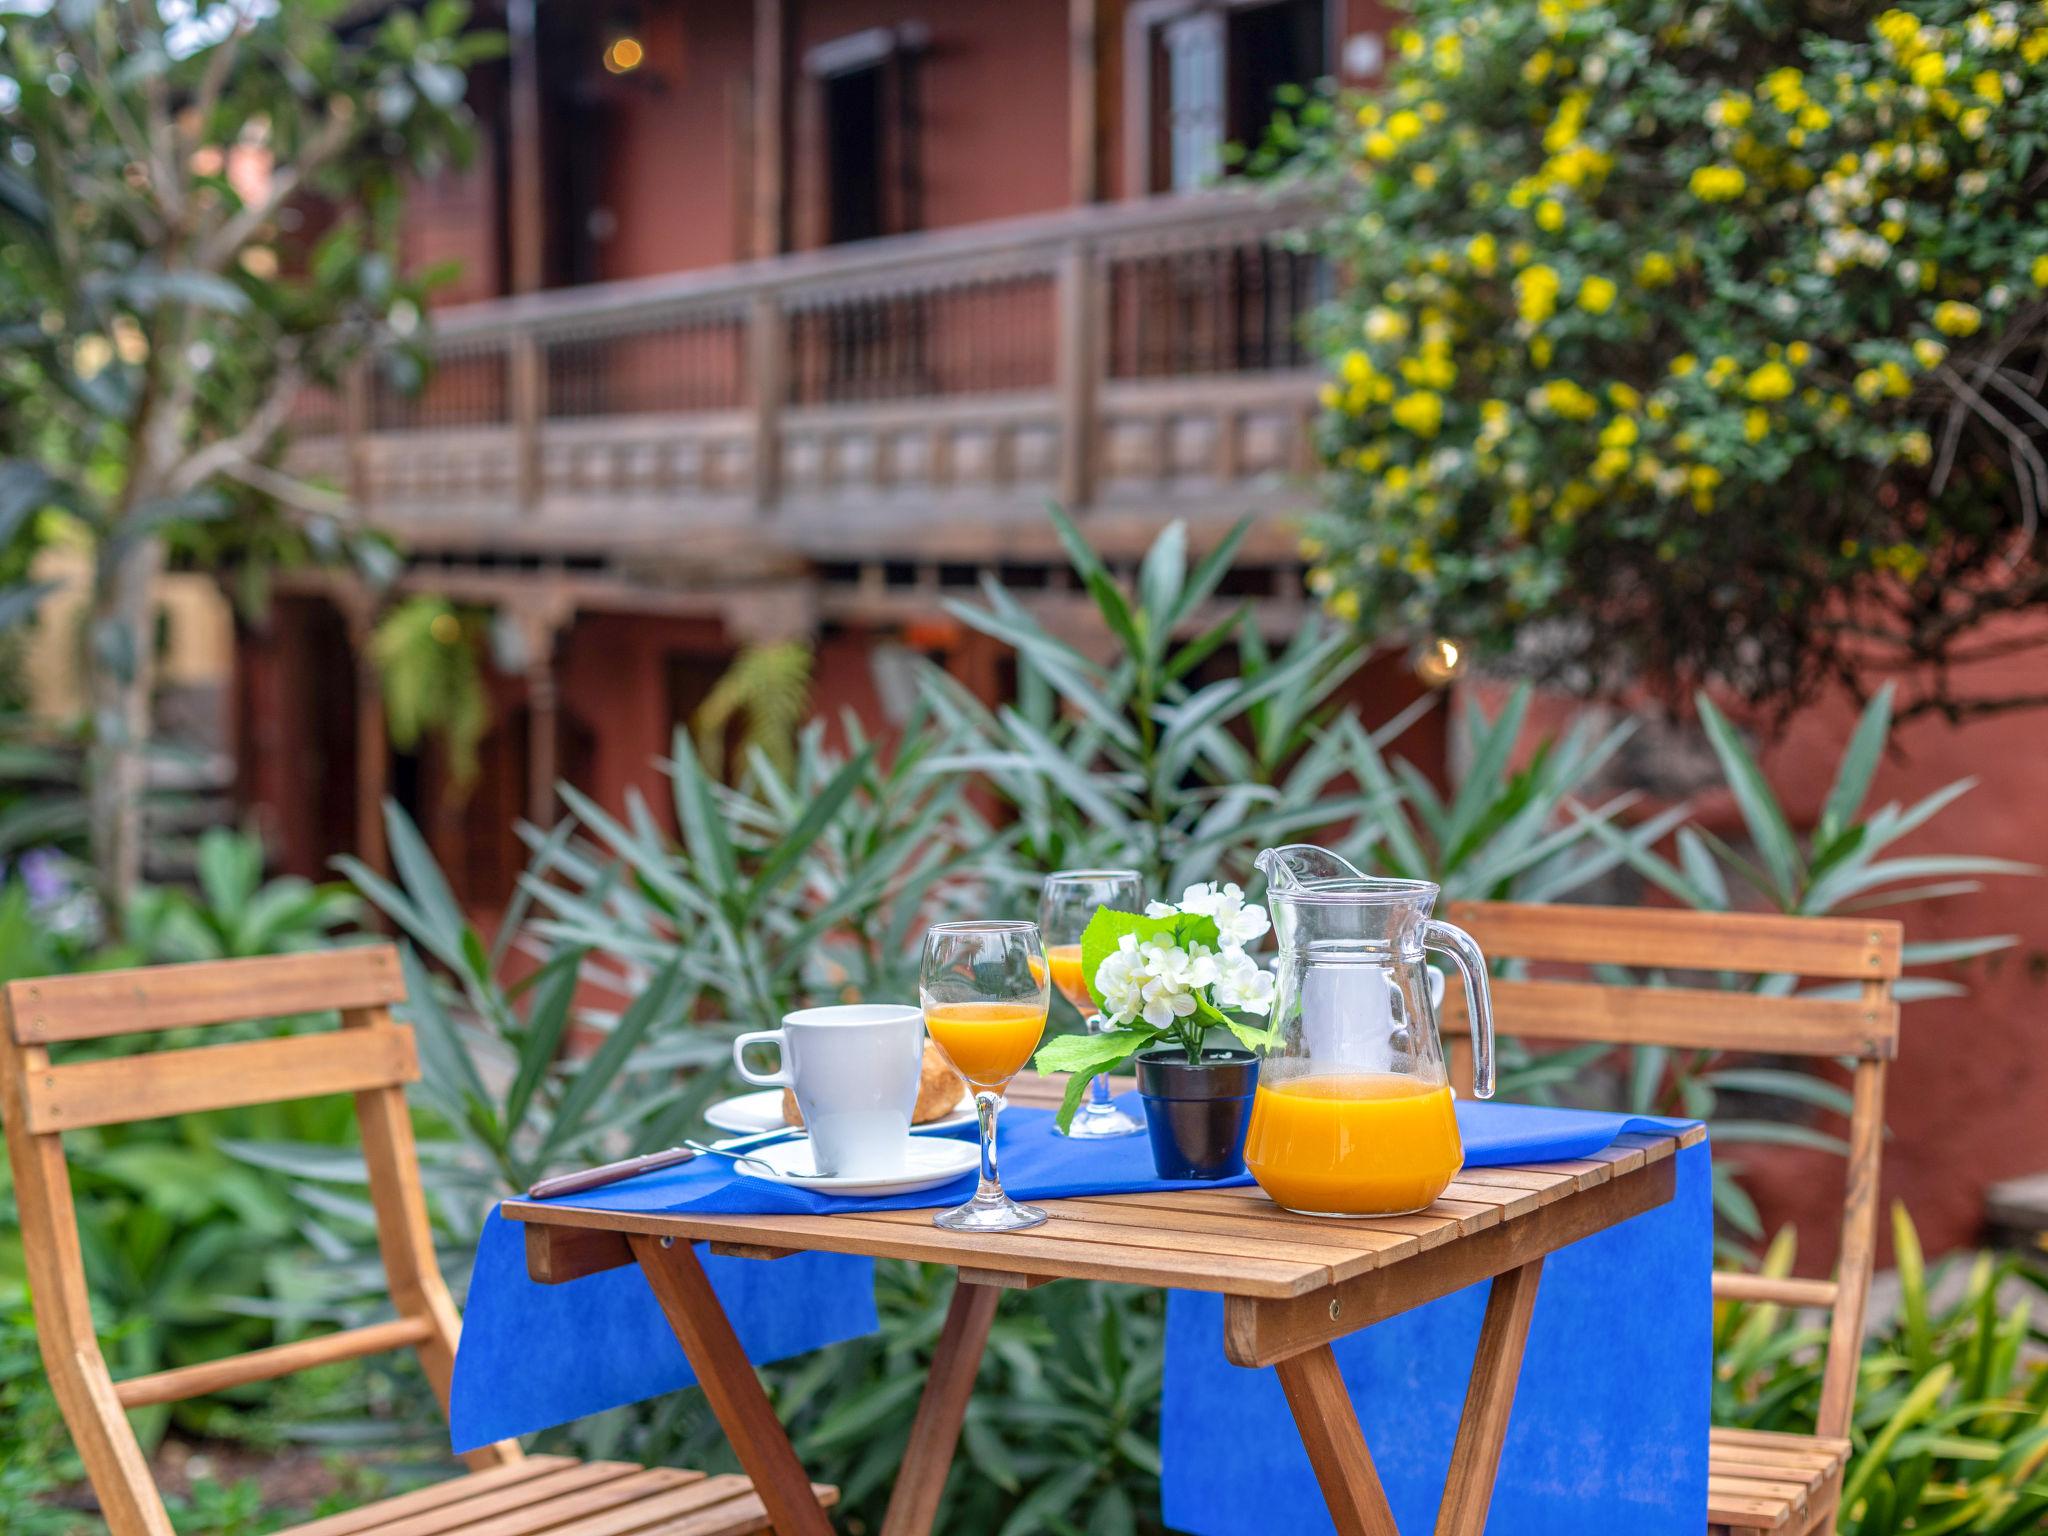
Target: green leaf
547 1024
1761 812
1859 763
666 998
1088 1056
1106 930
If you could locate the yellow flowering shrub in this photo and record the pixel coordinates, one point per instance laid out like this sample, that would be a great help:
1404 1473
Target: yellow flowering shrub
1697 317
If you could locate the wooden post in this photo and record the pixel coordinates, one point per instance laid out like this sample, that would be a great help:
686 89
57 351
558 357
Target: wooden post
771 118
527 386
1083 100
1336 1447
529 262
1489 1399
373 749
539 625
1077 359
767 358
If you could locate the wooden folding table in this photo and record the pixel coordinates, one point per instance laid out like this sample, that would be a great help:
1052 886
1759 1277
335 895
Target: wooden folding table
1292 1284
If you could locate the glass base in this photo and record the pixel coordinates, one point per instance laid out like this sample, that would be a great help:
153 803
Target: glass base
1295 1210
1099 1122
995 1212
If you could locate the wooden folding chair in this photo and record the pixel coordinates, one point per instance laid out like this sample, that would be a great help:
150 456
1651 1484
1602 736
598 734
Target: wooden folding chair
505 1493
1757 1481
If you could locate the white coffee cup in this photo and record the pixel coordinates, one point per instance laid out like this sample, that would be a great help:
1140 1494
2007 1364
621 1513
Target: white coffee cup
854 1068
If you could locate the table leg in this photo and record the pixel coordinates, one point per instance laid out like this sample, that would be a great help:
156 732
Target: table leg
914 1504
730 1385
1496 1367
1336 1446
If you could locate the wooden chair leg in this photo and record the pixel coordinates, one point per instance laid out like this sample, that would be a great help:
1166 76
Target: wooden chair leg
1496 1368
1336 1446
934 1434
730 1385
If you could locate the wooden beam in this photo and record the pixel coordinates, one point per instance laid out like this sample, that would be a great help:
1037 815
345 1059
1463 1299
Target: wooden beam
1336 1446
771 120
1489 1399
189 1381
1084 74
935 1432
523 129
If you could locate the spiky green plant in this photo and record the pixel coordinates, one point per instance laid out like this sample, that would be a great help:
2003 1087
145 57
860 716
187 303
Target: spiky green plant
427 655
768 690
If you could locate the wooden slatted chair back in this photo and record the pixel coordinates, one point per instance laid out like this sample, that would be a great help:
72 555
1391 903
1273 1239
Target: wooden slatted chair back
1549 998
370 1056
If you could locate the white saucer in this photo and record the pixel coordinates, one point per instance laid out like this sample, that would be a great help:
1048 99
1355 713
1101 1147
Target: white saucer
927 1163
747 1113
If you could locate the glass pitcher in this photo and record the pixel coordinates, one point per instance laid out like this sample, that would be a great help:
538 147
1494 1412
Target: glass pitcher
1353 1114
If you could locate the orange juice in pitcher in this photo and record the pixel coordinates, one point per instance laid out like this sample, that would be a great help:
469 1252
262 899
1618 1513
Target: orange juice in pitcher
1353 1143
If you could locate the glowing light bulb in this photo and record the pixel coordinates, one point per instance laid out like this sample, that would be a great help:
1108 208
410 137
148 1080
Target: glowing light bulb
1438 661
624 55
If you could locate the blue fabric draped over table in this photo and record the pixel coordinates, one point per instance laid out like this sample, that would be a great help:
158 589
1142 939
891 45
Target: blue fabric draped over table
1611 1418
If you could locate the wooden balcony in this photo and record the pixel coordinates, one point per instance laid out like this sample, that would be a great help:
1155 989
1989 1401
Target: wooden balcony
923 396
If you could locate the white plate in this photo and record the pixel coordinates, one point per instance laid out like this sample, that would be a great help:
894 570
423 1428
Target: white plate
747 1113
927 1163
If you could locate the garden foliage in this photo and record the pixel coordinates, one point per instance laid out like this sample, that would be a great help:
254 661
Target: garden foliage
1699 340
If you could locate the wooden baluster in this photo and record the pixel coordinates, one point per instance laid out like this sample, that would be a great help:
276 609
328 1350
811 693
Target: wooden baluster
767 341
1079 371
527 377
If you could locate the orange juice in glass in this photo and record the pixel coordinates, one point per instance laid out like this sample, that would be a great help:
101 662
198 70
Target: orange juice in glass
1353 1143
983 989
1064 962
987 1043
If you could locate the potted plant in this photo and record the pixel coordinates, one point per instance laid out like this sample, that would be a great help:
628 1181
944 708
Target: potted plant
1163 979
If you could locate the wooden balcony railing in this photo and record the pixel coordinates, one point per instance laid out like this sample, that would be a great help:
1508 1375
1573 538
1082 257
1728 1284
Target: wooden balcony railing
941 386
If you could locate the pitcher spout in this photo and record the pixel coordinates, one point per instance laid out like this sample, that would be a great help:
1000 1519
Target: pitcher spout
1296 864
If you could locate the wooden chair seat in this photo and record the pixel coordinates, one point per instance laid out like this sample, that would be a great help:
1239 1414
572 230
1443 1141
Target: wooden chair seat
557 1496
1761 1481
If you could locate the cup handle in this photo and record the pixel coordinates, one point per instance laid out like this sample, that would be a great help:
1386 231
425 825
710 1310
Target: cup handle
780 1077
1465 955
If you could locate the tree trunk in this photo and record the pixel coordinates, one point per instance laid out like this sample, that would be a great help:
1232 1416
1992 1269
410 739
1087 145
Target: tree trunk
121 654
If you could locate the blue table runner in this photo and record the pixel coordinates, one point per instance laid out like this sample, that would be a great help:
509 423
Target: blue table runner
1611 1417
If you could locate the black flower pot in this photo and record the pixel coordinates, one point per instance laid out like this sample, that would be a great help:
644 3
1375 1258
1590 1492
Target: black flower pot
1197 1112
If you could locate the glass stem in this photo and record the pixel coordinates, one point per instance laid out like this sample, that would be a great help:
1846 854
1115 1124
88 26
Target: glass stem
985 1113
1098 1091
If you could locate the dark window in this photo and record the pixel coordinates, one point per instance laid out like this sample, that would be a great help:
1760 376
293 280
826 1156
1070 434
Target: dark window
855 154
1215 69
1270 46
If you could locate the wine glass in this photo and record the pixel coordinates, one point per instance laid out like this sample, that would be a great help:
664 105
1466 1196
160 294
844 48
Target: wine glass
983 988
1068 900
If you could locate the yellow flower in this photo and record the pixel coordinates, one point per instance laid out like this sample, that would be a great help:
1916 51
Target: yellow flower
1383 325
2040 271
2035 48
1620 432
1928 352
1540 349
1717 183
1756 423
1565 398
1536 68
1799 354
1916 448
1483 251
1330 396
1421 413
1342 606
1536 294
1596 295
1380 146
1684 364
1975 123
1623 398
1989 86
1493 420
1355 367
1928 70
1311 549
1954 319
1550 215
1655 270
1403 126
1431 368
1701 480
1773 381
1610 464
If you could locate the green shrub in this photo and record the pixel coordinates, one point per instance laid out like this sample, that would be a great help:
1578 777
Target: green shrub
1671 336
1951 1426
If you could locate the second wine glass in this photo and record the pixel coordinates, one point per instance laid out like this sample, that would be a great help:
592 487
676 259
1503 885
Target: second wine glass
1067 902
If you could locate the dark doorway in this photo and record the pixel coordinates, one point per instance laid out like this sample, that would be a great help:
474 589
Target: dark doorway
855 154
1270 46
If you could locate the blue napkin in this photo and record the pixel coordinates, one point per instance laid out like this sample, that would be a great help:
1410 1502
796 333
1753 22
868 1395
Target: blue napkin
1609 1429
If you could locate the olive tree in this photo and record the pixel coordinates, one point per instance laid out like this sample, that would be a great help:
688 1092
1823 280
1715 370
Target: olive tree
196 221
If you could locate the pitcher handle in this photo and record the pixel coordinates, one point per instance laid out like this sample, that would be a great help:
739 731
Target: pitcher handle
1464 952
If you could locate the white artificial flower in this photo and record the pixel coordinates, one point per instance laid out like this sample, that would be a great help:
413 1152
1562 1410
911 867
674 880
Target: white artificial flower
1199 900
1238 923
1120 981
1243 984
1161 909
